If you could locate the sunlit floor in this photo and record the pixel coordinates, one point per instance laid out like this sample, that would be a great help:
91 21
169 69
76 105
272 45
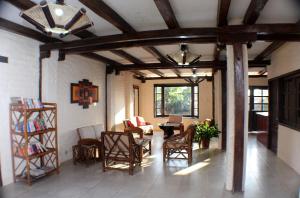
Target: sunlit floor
267 176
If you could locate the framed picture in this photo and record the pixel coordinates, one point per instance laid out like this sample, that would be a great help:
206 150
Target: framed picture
84 93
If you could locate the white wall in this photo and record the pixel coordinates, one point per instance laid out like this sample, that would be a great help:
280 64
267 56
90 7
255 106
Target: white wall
120 99
57 78
20 78
286 59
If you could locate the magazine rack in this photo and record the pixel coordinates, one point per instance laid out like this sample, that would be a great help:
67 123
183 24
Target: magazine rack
33 162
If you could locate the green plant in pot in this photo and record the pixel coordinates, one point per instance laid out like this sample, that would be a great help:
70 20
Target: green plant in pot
204 132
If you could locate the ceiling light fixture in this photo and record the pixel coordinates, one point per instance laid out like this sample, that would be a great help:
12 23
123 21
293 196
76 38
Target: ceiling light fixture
183 56
57 18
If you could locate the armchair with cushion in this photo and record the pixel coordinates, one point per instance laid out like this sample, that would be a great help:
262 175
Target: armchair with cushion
180 146
138 125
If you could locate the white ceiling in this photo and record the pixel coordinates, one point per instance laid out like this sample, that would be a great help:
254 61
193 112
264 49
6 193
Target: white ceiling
143 15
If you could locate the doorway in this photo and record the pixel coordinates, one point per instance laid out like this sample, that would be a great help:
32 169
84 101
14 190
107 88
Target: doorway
274 115
258 97
136 100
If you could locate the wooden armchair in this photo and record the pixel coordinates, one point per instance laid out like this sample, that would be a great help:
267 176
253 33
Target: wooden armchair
120 147
180 146
177 120
129 127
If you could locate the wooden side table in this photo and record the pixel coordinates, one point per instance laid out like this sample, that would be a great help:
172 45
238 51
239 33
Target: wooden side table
87 150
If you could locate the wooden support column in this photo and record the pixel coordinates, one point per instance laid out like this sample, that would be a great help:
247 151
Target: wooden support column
237 118
239 87
224 109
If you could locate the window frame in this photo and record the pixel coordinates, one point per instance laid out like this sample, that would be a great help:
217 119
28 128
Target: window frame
251 98
162 109
285 94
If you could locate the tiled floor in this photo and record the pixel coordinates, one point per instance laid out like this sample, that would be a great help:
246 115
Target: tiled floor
267 177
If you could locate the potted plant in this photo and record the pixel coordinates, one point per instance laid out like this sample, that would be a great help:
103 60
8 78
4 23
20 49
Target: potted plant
204 132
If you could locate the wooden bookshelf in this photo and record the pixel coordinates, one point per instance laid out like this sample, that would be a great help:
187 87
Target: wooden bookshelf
24 164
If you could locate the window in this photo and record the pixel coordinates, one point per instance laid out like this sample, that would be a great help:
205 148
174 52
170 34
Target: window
289 100
258 98
176 99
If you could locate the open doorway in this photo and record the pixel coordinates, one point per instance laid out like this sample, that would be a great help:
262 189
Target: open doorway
258 97
136 96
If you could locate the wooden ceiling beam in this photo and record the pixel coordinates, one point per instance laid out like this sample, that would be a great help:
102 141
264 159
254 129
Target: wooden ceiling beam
223 9
188 35
107 13
127 56
200 64
253 11
24 31
269 50
273 47
177 72
22 4
157 72
167 13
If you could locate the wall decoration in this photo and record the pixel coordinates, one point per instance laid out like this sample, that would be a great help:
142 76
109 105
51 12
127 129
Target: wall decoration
84 93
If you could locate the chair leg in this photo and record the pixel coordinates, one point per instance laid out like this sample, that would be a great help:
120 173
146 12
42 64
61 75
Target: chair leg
190 156
164 154
150 148
130 168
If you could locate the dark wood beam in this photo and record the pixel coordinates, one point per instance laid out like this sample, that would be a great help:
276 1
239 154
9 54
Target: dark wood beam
22 4
269 50
239 114
139 73
157 72
188 35
127 56
102 59
200 64
107 13
24 31
167 13
253 11
223 12
172 77
177 72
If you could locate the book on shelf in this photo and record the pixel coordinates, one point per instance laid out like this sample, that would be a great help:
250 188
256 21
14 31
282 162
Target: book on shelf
28 103
39 172
32 148
36 124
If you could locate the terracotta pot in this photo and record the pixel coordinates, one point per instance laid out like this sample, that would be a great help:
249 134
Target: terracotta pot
205 143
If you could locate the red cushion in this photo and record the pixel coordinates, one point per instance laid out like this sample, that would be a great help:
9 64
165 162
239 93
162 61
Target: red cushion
140 121
129 124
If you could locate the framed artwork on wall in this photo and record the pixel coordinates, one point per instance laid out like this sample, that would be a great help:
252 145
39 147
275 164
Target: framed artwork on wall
84 93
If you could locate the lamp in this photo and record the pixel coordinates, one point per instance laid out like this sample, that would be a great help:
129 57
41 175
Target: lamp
183 56
57 18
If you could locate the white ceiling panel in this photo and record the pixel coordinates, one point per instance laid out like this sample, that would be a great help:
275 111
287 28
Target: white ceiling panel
114 57
149 73
140 14
195 13
280 11
257 48
141 54
237 11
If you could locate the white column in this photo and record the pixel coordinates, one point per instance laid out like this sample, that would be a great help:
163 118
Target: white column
231 115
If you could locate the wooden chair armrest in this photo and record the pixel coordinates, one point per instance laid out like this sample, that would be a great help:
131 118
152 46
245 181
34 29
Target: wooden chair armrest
135 130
